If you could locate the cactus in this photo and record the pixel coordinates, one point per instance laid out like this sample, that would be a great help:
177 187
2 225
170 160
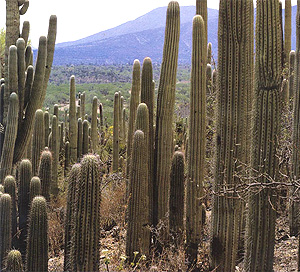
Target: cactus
37 242
116 133
287 30
209 53
67 156
10 137
138 232
85 246
134 102
101 117
177 197
13 261
197 135
24 176
21 76
201 9
121 130
234 92
46 126
79 139
35 188
94 132
25 31
85 137
10 187
38 140
70 213
5 226
147 97
165 109
55 156
291 77
72 122
261 215
45 173
294 206
82 105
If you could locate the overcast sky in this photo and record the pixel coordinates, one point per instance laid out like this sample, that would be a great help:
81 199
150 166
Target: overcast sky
78 19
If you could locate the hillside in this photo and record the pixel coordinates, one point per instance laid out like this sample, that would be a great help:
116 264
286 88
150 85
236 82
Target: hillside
139 38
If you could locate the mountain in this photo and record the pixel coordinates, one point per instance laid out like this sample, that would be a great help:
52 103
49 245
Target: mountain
138 39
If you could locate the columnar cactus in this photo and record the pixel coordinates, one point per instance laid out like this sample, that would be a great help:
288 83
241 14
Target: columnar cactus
261 215
85 246
147 97
295 207
70 213
197 134
37 242
209 53
79 139
10 137
138 232
55 156
234 92
115 162
287 30
94 132
5 226
67 156
14 261
85 137
38 140
45 173
101 117
82 105
46 126
10 187
24 176
35 187
177 197
292 57
201 9
165 110
72 121
134 102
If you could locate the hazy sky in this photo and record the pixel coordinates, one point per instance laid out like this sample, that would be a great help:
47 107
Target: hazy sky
78 19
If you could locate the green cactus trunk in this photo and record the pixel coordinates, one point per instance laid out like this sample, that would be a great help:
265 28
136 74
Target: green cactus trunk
79 139
85 137
94 132
116 137
85 246
165 110
234 92
261 215
291 78
197 134
5 227
45 173
201 9
138 232
55 156
287 30
35 188
37 242
72 122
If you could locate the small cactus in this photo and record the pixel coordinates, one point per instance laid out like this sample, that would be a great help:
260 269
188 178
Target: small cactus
14 261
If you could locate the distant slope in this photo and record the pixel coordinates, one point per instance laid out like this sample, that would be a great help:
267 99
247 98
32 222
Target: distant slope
138 39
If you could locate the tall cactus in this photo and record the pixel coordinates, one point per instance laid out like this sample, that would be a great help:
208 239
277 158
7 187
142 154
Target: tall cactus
72 121
197 134
261 215
165 110
10 187
85 246
94 132
85 137
138 232
116 138
201 9
24 176
10 137
55 156
45 173
287 30
38 140
234 92
291 78
37 242
79 138
35 187
177 196
5 226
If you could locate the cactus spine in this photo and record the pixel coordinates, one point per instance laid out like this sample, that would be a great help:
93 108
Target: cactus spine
177 196
116 133
138 233
38 139
197 135
45 173
5 226
165 110
261 215
37 243
234 92
14 261
85 246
